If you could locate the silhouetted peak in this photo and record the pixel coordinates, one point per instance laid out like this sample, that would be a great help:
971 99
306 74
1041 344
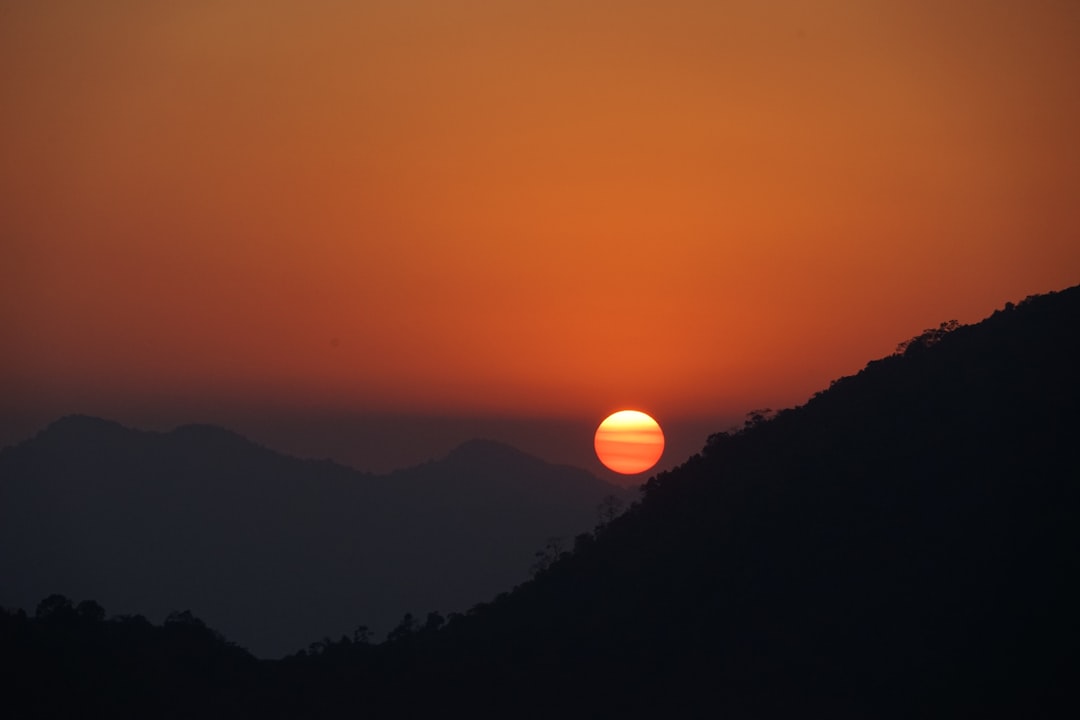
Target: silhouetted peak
508 466
489 452
82 429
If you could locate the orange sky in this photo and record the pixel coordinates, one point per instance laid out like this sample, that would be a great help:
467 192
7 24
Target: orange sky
521 208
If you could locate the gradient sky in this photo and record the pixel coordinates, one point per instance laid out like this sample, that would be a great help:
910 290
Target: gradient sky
535 211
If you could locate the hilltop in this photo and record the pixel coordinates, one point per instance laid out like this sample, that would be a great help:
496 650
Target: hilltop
903 545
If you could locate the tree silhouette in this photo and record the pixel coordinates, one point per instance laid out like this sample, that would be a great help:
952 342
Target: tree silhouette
902 545
55 608
928 338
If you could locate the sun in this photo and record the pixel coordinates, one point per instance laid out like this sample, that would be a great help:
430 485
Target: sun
629 442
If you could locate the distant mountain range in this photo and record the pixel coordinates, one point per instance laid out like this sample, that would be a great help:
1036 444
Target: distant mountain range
274 551
904 545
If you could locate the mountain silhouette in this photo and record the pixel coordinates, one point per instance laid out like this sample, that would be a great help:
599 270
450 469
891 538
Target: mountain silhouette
272 550
903 545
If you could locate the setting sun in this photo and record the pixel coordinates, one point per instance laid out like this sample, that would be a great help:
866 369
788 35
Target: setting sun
629 442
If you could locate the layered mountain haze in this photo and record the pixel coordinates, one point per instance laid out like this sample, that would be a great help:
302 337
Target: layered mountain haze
373 231
902 545
272 550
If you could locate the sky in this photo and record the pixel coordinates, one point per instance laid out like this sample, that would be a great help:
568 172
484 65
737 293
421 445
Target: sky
368 230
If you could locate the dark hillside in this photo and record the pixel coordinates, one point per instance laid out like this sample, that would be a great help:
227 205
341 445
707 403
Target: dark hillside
67 660
903 545
274 551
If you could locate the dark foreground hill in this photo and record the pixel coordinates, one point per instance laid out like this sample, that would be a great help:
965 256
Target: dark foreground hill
273 551
904 545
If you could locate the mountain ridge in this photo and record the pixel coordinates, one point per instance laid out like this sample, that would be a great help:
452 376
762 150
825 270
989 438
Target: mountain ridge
902 545
93 505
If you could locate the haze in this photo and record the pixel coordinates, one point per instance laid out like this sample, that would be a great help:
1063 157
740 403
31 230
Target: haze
516 216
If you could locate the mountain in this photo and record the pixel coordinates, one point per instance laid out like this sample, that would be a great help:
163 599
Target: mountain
905 544
272 550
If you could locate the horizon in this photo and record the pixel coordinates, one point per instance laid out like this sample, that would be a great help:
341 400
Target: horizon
382 443
366 231
828 561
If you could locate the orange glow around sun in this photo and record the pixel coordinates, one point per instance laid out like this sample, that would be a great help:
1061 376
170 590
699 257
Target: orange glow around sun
629 442
458 209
